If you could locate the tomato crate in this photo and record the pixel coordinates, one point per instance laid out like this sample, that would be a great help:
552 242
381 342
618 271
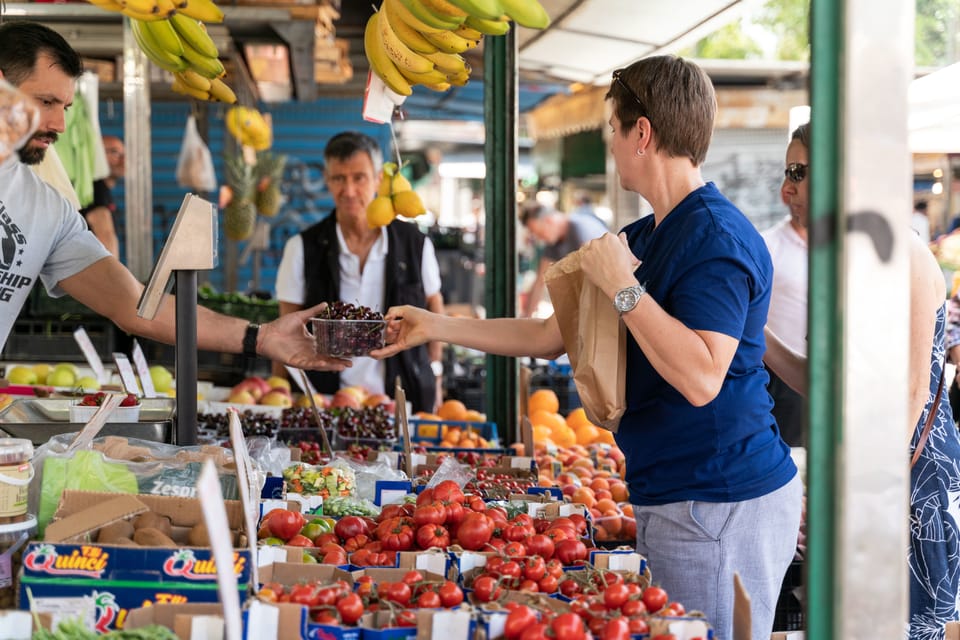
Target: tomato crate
432 431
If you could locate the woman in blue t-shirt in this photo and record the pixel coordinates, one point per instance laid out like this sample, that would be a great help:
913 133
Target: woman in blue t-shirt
712 484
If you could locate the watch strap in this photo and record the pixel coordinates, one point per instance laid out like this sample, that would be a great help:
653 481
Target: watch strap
250 340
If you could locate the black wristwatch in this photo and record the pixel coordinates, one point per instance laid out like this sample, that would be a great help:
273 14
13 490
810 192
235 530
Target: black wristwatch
250 340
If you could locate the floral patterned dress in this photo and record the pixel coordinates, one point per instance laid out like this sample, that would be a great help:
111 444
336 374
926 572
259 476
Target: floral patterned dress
934 553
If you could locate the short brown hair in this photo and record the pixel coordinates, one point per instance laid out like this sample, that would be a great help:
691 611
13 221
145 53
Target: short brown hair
675 95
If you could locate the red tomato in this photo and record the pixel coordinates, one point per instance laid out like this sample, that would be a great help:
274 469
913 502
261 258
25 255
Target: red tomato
448 491
547 584
540 545
350 608
398 592
570 587
515 550
412 577
305 594
350 526
518 620
475 531
568 626
498 514
615 596
434 513
356 542
487 589
516 532
677 608
285 524
425 497
455 514
571 552
535 632
633 607
579 523
299 541
639 625
654 599
616 629
429 600
450 594
433 535
534 568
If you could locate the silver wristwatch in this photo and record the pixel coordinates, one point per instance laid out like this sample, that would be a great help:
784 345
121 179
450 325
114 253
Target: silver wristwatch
626 299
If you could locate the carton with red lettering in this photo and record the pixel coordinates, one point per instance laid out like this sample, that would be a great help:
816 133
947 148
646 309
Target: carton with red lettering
68 567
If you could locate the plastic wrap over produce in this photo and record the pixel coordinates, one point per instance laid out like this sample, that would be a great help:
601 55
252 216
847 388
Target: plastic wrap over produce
19 118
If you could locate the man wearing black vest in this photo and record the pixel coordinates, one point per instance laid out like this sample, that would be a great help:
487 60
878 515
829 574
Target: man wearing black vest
342 258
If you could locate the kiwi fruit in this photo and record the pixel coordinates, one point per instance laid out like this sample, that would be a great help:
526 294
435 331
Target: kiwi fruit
114 531
198 536
151 537
151 520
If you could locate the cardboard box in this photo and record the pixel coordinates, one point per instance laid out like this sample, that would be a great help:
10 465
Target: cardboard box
290 574
64 568
261 621
434 624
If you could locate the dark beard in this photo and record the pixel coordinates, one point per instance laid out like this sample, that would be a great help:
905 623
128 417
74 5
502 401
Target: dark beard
34 155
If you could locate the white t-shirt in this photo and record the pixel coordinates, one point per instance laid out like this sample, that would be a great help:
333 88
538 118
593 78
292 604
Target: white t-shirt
788 301
358 288
41 234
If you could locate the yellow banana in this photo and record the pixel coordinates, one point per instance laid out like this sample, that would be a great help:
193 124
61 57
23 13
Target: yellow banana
193 79
380 62
181 87
142 17
434 76
161 32
449 42
407 34
468 33
398 10
402 55
526 13
487 9
159 56
204 10
441 87
449 63
460 79
109 5
223 93
166 8
424 15
141 6
194 34
496 27
233 122
204 65
444 9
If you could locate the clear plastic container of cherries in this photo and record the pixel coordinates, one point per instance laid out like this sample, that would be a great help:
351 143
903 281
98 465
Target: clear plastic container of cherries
346 330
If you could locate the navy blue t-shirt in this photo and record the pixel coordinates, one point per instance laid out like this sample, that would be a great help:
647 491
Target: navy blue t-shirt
708 267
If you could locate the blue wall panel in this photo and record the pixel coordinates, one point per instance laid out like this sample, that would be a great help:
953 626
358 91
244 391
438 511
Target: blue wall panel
300 132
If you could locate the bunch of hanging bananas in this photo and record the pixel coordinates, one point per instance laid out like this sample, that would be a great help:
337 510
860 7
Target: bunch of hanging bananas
172 36
419 42
249 127
395 197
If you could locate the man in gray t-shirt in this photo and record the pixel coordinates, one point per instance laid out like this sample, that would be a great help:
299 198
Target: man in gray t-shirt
560 234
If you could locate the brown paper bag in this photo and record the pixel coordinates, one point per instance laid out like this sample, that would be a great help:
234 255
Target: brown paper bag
595 340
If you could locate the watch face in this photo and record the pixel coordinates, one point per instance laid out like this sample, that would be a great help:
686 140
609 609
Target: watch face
626 299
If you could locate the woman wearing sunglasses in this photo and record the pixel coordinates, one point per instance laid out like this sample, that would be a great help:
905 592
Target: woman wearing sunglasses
934 554
712 483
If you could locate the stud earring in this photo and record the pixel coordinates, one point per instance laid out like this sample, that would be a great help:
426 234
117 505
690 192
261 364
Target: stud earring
639 152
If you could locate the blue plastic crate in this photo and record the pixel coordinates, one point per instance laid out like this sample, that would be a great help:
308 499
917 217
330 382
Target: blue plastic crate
431 431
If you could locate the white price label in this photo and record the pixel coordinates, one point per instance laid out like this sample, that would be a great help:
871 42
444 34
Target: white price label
143 371
127 377
90 354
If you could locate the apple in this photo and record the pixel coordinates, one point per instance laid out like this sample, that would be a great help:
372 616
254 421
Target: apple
276 398
161 377
276 382
344 398
42 370
67 366
319 399
241 397
254 385
88 383
61 378
22 375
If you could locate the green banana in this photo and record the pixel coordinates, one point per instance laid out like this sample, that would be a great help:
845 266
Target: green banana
487 9
160 57
195 34
407 34
162 32
426 16
496 27
204 65
526 13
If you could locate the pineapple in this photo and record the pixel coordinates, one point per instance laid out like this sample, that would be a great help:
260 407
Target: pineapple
240 215
269 171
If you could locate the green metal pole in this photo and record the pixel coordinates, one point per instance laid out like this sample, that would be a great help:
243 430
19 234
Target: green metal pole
825 328
500 154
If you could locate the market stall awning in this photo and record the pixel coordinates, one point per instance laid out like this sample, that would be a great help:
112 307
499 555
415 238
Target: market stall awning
934 120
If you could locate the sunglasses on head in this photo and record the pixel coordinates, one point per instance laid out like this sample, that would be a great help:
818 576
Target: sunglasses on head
633 94
795 172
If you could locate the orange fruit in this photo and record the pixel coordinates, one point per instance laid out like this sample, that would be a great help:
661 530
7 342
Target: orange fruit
564 437
544 399
586 433
605 437
550 419
599 483
453 410
577 418
606 504
603 493
618 491
475 416
541 432
612 522
584 496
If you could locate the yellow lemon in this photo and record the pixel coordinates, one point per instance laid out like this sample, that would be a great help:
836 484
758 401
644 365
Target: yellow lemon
380 212
391 185
408 204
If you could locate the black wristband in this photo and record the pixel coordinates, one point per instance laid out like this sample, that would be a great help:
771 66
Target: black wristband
250 340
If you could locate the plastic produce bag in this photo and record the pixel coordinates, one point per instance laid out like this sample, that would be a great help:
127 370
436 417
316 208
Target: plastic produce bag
195 165
367 474
19 118
450 469
334 479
